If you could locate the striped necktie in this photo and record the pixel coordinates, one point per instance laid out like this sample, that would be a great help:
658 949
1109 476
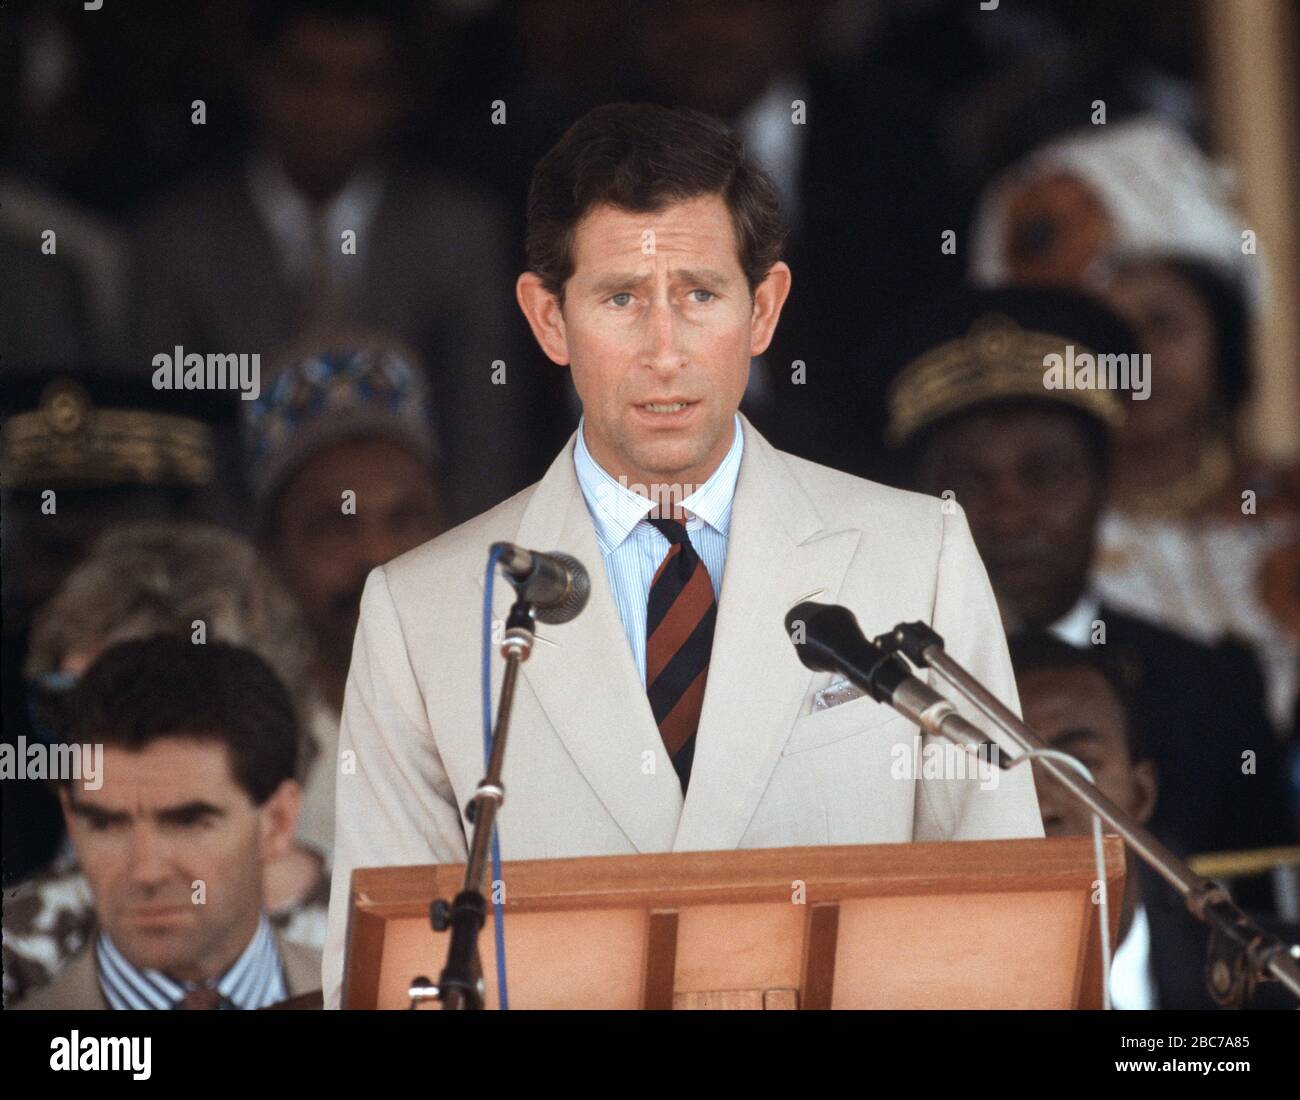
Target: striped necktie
679 637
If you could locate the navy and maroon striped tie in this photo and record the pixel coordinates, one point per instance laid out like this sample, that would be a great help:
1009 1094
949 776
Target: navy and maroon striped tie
679 637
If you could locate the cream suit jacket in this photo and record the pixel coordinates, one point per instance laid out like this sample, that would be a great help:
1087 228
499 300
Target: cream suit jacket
586 772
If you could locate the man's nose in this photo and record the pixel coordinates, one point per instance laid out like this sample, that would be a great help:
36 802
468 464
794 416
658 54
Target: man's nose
1009 511
662 336
149 864
1050 793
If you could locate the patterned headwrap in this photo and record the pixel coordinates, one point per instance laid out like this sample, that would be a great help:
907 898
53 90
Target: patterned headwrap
345 390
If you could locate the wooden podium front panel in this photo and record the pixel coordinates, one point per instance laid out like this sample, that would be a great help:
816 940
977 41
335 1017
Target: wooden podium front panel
957 951
733 947
978 924
597 958
888 954
587 959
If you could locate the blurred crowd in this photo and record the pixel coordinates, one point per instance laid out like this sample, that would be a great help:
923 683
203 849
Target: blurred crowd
327 197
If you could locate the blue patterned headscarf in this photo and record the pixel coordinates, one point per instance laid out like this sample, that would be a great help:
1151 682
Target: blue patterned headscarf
339 393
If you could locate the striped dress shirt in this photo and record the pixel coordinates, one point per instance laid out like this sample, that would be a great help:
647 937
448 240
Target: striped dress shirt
255 980
632 548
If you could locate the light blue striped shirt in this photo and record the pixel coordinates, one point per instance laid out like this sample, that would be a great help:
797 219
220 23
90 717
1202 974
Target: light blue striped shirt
255 980
633 548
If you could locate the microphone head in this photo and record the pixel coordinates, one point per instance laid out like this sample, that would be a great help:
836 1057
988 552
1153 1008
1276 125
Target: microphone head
823 633
574 599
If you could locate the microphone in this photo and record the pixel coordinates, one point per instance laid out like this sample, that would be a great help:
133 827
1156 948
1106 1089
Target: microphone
557 585
827 638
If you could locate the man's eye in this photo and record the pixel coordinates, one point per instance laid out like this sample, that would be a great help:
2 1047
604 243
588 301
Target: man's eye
709 295
104 824
623 294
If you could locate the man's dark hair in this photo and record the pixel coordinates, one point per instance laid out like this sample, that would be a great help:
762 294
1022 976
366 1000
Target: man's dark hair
1042 651
141 691
641 158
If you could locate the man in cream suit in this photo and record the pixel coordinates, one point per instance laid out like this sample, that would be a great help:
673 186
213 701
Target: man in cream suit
673 714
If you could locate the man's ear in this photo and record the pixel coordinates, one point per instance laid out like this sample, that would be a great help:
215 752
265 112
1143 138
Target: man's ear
1146 786
279 819
769 297
545 317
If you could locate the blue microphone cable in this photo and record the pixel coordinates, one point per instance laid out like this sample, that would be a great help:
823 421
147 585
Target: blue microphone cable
498 909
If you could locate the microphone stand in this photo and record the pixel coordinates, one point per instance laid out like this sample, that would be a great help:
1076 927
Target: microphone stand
1240 953
461 982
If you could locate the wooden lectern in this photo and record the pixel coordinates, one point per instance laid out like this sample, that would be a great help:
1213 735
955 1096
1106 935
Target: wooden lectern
969 924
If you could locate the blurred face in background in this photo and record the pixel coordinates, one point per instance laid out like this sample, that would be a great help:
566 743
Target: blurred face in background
1032 491
165 819
721 55
1176 326
324 553
40 550
1076 711
328 94
658 340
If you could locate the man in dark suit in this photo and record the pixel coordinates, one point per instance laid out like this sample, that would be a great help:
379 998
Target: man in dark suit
1081 702
1028 464
322 227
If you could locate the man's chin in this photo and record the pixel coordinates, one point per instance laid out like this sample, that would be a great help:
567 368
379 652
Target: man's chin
176 956
668 467
669 458
155 947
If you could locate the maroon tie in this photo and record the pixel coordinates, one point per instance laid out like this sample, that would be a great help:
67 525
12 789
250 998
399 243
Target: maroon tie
679 637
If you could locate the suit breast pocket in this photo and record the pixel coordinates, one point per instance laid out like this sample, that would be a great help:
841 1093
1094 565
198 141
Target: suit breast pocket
825 727
837 780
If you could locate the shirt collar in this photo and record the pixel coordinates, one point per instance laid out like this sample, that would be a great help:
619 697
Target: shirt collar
616 509
254 980
1075 626
1132 984
294 220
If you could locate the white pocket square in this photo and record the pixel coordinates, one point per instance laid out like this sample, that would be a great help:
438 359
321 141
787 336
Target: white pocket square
837 692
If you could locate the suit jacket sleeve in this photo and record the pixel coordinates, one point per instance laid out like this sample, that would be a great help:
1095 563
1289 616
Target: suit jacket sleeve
969 806
394 804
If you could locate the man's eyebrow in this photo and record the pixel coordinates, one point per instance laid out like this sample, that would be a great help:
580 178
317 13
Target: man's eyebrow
706 276
97 813
617 280
625 280
1077 736
188 811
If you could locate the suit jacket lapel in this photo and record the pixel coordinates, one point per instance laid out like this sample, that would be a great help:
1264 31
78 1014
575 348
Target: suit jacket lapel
778 553
583 675
584 678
